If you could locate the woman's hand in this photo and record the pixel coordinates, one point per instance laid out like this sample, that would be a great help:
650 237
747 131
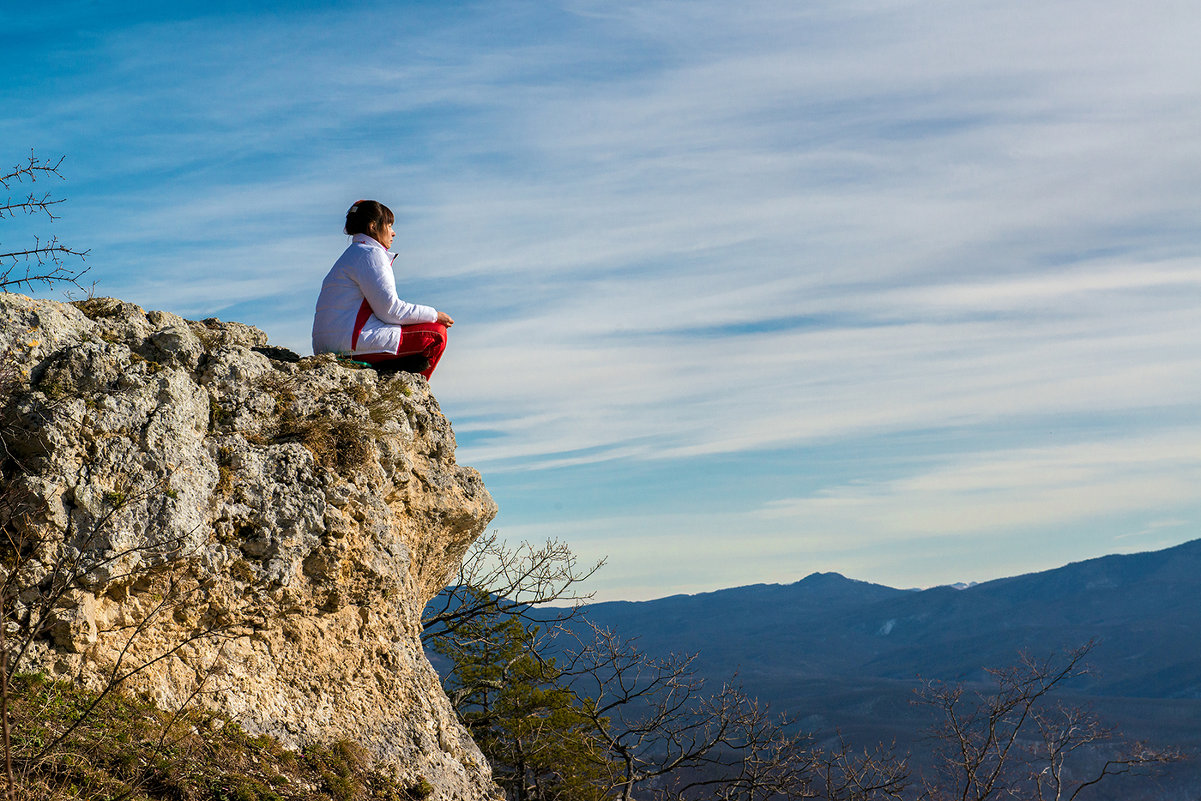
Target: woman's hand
445 319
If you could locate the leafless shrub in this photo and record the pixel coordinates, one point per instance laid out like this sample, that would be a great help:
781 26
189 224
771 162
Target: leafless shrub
496 576
1012 742
43 261
671 739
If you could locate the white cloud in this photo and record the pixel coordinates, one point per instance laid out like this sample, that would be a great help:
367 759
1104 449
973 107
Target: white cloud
903 216
990 492
684 395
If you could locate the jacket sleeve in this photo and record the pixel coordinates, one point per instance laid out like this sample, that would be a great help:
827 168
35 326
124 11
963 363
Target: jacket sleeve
378 286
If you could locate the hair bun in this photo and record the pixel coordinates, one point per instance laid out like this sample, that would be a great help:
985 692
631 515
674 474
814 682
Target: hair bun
367 217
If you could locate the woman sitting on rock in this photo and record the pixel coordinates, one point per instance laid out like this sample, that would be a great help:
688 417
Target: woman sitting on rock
358 312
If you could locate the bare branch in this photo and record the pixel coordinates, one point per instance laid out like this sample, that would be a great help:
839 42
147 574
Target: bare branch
656 721
1013 743
513 579
847 774
43 263
30 169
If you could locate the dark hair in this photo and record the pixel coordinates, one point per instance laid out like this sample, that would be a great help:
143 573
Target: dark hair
368 217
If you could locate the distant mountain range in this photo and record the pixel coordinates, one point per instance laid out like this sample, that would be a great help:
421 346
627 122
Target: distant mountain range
1144 611
844 655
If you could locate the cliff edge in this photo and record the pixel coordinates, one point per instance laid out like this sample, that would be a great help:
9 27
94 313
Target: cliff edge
258 535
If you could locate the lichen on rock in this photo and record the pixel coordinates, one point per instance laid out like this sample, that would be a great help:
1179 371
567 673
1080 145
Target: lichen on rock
264 532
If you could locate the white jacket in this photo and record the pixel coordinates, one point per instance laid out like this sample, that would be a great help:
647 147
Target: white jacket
363 275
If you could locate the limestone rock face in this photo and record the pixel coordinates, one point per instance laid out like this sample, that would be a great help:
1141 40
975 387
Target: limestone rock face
268 530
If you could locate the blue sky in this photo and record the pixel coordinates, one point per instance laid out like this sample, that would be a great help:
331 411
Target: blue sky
906 290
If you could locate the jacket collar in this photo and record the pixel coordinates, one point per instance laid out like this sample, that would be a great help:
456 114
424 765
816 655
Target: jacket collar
364 239
370 241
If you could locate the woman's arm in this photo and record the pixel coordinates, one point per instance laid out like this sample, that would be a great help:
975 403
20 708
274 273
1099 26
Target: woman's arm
378 286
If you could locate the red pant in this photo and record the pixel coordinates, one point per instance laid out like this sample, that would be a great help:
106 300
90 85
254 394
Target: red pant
419 339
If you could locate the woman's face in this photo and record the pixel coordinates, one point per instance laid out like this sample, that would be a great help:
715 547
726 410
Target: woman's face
384 234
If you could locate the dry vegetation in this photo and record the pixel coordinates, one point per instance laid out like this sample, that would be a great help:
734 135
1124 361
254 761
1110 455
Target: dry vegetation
128 749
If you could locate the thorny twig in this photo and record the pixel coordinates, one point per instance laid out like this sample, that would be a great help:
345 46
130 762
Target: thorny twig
42 263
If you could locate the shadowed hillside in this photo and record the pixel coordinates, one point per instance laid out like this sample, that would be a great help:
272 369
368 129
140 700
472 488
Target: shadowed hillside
1142 609
846 655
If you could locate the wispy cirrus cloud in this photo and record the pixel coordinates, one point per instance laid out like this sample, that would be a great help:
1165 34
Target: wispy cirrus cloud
993 491
676 232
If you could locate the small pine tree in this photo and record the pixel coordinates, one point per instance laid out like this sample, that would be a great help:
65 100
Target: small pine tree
530 728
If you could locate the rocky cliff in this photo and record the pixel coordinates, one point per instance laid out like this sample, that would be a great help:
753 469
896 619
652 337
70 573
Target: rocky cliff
252 534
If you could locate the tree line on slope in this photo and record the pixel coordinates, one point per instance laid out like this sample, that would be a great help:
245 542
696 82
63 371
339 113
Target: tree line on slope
578 713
